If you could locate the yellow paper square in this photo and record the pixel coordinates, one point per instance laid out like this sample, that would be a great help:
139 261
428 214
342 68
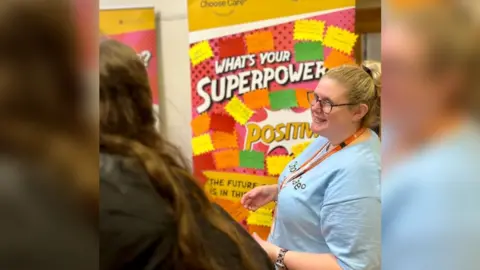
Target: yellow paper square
299 148
276 164
200 52
311 30
261 217
340 39
202 144
238 110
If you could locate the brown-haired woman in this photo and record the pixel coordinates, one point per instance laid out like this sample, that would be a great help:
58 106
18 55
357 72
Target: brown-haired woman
153 215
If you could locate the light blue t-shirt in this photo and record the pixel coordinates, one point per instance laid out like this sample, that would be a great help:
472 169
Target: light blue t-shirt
431 206
335 207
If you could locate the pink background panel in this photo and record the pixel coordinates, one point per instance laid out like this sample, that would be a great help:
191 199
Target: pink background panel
140 41
283 40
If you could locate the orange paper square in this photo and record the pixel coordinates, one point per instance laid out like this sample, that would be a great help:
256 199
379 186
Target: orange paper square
336 58
262 231
223 140
302 98
235 209
257 99
224 203
227 159
260 42
238 212
200 124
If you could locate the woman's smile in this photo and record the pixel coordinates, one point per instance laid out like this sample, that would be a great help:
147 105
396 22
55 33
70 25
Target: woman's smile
318 119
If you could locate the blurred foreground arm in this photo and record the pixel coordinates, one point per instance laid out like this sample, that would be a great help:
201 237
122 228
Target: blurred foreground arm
40 228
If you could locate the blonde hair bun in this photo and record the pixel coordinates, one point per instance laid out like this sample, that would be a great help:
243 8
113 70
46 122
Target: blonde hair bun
375 68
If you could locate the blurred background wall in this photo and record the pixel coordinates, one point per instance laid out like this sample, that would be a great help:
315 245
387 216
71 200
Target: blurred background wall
174 75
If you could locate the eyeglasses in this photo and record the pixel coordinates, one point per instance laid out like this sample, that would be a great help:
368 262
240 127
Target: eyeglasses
326 105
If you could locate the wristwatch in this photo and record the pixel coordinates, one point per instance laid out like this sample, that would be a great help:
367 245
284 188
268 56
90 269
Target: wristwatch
279 263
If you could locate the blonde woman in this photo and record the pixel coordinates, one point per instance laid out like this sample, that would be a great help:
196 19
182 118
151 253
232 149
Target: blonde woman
328 198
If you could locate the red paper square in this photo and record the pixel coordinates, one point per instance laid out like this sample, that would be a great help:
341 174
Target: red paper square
229 47
222 122
201 163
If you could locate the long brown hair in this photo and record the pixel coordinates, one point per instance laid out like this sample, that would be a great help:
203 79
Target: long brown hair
43 118
128 127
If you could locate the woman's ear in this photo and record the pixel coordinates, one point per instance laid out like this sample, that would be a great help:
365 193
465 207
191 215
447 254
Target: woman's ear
359 112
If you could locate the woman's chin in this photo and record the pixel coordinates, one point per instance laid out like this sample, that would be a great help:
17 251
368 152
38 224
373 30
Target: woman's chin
317 128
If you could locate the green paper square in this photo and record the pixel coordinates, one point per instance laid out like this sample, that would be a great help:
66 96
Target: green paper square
284 99
308 51
252 160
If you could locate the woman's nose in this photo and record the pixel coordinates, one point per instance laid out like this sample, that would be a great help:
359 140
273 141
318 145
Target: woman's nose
317 106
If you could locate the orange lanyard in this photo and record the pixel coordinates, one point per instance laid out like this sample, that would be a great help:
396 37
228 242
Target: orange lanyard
308 165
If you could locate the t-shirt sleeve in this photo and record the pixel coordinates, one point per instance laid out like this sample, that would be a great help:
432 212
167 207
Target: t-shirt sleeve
351 217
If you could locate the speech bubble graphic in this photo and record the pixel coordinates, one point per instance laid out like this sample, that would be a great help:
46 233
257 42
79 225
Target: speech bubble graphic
284 128
145 56
156 113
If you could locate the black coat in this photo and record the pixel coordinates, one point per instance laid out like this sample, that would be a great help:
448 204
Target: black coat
137 232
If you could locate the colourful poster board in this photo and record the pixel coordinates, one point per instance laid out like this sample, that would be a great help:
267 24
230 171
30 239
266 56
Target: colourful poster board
252 67
136 28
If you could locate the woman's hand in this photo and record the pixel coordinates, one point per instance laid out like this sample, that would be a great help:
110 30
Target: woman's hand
269 248
259 197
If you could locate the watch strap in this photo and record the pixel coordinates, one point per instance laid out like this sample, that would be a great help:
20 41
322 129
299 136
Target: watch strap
279 262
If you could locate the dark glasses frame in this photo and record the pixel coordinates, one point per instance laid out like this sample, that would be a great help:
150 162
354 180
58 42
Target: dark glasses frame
325 104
